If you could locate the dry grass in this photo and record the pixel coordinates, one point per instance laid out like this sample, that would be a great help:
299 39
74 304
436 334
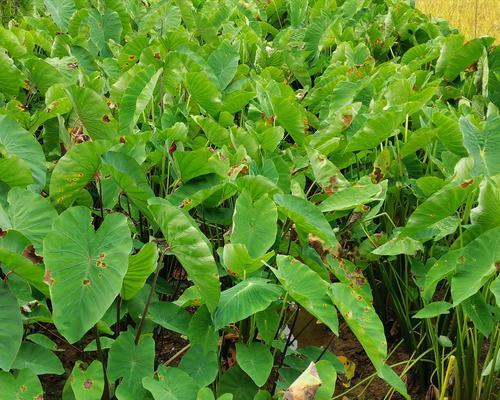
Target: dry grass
472 17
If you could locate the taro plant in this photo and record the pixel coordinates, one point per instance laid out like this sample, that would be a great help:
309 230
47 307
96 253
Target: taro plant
203 172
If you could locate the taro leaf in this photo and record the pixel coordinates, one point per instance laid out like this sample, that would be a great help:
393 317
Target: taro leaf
129 176
307 217
84 268
170 316
201 330
289 115
172 384
14 171
104 28
308 289
256 360
43 341
93 113
439 206
11 328
204 92
31 215
254 223
361 193
495 289
268 322
15 261
456 57
24 386
478 311
140 266
74 171
234 381
377 129
200 364
194 163
448 133
487 212
364 322
87 383
205 394
326 174
224 62
238 262
483 147
38 359
306 386
434 309
244 299
328 375
399 245
475 264
136 97
61 12
11 78
106 343
191 248
132 363
18 144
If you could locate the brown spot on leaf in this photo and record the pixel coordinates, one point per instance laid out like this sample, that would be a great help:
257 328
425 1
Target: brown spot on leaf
106 118
23 388
101 264
88 384
346 119
86 282
47 278
172 148
29 253
497 265
377 175
466 183
132 57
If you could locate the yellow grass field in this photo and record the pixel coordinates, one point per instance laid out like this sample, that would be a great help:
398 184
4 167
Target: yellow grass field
472 17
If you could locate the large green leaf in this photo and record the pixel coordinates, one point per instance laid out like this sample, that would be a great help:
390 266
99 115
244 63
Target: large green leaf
61 11
439 206
11 328
224 62
87 383
17 142
84 269
170 316
31 215
136 97
200 364
130 178
379 127
360 193
307 288
93 113
475 264
364 322
307 217
204 92
191 248
140 266
487 213
38 359
24 386
455 56
256 360
254 223
11 78
131 362
290 116
172 384
244 299
74 171
484 147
